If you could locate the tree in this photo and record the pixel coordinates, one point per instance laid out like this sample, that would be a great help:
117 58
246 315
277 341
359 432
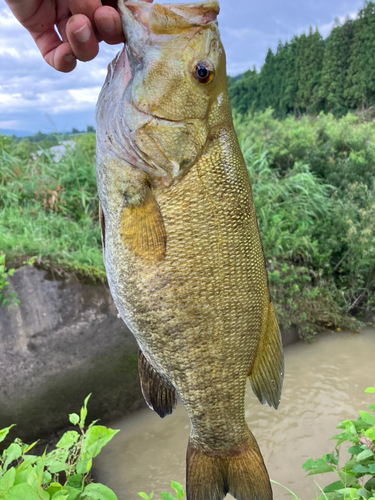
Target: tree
360 82
335 67
244 93
309 65
289 87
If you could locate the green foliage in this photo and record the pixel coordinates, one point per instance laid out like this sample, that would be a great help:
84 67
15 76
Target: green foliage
5 296
315 199
293 211
167 496
356 478
49 209
63 473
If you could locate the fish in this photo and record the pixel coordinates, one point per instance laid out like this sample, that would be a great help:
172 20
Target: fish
182 248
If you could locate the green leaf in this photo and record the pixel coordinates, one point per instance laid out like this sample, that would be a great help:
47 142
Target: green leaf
74 418
313 464
7 480
334 487
21 477
29 448
178 489
58 467
84 465
14 452
370 433
43 495
47 478
21 492
27 461
367 417
95 438
370 389
75 481
54 488
351 491
321 470
370 485
84 412
145 496
67 493
355 450
167 496
4 432
347 479
68 439
363 493
361 469
98 492
364 454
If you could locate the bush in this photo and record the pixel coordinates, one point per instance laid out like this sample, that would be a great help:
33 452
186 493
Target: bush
356 478
63 473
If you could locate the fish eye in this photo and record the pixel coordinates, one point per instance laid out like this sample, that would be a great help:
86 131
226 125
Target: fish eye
203 72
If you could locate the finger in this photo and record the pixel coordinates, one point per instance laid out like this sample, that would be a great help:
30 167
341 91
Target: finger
82 38
56 53
108 25
86 7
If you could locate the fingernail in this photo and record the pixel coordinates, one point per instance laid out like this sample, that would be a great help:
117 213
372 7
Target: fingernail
107 24
82 34
69 58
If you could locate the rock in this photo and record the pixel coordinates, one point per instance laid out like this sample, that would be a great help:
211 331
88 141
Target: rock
61 343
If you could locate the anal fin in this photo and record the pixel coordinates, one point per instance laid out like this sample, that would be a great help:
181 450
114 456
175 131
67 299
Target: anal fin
142 228
159 394
267 373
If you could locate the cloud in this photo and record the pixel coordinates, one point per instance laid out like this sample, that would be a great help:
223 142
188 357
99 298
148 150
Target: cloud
35 97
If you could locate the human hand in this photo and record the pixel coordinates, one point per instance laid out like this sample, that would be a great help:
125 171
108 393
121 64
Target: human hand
81 24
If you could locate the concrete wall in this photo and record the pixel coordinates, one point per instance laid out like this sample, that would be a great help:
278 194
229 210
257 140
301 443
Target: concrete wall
62 342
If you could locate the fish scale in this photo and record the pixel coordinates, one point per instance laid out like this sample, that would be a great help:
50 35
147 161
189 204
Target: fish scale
183 254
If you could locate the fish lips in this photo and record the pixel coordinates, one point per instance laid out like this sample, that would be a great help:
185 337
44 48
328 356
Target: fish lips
141 20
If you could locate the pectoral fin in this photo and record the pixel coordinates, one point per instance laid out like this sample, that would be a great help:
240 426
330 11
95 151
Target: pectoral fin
160 395
267 373
142 228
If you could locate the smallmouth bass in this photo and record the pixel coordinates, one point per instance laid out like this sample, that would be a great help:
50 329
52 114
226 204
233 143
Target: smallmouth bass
181 243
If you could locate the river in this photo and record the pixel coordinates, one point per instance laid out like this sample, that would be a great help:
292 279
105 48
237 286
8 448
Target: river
324 384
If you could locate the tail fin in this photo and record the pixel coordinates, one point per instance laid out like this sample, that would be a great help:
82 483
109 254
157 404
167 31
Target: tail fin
241 473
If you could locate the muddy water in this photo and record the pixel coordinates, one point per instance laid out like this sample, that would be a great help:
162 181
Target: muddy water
324 384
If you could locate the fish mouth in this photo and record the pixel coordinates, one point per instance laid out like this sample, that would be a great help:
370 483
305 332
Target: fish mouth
141 19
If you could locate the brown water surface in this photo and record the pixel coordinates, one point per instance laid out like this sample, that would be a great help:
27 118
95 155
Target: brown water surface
324 384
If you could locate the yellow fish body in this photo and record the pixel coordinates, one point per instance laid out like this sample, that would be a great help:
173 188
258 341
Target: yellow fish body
181 242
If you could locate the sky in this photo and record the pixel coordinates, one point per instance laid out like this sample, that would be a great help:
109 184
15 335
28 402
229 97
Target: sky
35 97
